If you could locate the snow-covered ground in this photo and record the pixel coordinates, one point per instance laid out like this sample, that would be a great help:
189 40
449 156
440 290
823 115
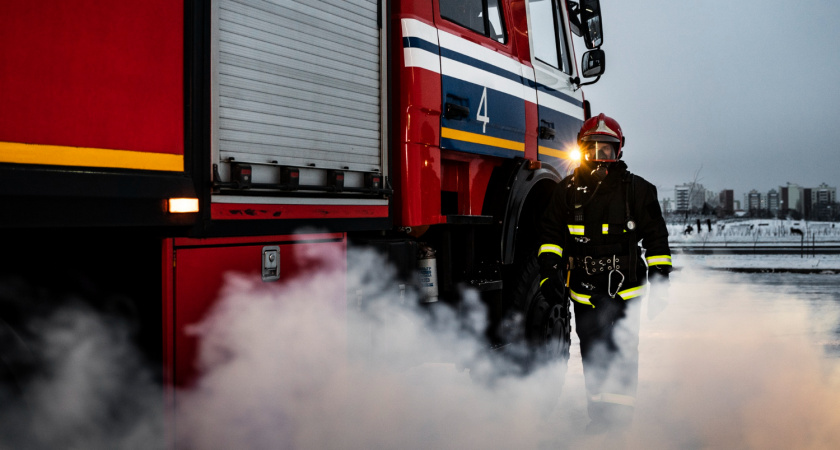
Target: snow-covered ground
751 231
818 263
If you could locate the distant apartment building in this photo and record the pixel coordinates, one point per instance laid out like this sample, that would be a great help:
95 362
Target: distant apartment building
712 199
823 194
753 201
727 201
807 206
681 198
822 200
689 196
791 198
773 201
666 205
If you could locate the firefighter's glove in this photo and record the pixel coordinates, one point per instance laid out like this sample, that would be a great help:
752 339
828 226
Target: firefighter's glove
659 286
551 276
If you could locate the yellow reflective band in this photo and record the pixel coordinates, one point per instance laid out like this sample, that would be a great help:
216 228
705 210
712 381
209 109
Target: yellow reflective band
457 135
605 228
581 298
627 294
576 230
60 155
550 248
543 281
616 399
659 260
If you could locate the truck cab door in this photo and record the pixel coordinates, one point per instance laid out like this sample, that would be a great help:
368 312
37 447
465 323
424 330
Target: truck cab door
482 85
560 106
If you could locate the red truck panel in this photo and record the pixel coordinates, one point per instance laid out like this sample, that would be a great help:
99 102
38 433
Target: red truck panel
92 83
198 273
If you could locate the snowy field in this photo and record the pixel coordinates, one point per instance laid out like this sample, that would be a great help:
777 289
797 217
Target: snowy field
829 264
749 231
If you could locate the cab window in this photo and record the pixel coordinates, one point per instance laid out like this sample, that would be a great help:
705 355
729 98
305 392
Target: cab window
549 34
482 16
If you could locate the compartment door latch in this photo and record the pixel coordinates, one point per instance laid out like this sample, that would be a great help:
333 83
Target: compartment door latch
271 263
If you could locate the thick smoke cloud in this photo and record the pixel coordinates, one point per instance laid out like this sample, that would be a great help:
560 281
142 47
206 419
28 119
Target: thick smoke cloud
724 367
293 365
80 384
294 368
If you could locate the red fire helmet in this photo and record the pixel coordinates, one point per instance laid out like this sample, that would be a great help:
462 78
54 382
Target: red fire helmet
601 128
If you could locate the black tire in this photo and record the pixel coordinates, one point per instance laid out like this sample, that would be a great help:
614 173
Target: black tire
547 323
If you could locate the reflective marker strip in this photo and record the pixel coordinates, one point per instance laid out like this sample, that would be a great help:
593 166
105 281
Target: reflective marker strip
543 281
659 260
551 248
616 399
627 294
581 298
576 230
465 136
58 155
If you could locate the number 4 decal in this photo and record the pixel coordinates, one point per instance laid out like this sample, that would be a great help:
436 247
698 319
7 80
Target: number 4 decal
482 105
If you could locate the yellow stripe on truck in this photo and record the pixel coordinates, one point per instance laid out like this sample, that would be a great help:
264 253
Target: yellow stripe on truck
57 155
457 135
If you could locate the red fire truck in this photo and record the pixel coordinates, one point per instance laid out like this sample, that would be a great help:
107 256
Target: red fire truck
146 148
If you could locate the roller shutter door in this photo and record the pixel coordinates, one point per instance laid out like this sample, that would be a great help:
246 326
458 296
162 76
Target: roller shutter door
298 83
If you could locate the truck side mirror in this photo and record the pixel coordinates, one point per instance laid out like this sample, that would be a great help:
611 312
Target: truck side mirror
590 19
593 63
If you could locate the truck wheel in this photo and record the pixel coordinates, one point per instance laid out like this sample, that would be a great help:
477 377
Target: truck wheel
547 324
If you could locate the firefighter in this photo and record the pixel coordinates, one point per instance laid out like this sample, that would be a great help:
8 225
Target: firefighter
591 233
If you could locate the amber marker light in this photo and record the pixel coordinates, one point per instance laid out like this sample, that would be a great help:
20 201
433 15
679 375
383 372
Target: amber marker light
574 155
183 205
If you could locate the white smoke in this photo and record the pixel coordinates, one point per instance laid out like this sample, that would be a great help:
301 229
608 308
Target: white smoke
293 365
286 367
733 365
86 387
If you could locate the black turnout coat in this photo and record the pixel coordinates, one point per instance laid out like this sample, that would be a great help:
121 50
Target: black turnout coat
596 229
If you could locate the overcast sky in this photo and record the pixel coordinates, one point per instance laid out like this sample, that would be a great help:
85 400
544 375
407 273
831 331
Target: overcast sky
745 92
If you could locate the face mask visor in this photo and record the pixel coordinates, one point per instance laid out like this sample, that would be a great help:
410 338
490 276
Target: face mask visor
599 151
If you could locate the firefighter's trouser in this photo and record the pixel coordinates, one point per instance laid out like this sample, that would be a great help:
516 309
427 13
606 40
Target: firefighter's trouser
609 346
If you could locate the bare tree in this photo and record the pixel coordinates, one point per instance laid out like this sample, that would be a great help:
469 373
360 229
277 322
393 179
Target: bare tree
692 192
